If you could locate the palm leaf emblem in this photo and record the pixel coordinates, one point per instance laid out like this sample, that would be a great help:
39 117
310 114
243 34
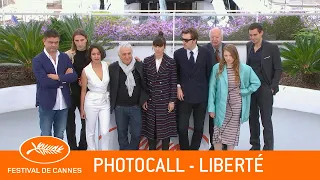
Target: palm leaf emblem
45 149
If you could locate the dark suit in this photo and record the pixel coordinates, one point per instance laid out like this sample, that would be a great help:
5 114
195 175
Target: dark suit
213 52
194 81
127 114
262 99
214 61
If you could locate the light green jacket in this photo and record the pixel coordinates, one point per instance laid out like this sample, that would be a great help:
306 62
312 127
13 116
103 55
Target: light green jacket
218 92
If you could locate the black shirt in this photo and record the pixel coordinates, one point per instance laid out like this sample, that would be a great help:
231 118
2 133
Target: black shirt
123 98
78 65
255 62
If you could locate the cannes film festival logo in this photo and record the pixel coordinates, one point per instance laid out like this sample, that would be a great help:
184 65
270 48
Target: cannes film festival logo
44 150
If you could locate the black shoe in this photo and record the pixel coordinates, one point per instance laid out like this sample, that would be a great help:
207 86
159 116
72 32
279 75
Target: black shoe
73 148
266 148
211 148
224 147
83 148
254 148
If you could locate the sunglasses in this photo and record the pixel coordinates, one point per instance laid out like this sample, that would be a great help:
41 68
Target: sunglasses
186 40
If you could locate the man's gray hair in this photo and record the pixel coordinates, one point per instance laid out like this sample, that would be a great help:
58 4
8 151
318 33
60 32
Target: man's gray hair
124 45
220 31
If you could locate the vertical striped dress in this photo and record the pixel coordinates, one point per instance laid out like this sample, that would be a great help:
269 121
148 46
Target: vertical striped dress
229 132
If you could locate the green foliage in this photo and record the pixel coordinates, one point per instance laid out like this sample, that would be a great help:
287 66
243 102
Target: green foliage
243 33
285 27
20 44
280 28
68 25
307 32
303 57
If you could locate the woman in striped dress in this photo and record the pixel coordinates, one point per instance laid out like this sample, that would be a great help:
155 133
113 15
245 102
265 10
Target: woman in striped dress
159 114
230 89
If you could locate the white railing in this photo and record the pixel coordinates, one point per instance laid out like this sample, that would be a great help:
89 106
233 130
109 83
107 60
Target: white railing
167 13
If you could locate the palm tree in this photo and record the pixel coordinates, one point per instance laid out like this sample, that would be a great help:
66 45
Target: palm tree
303 57
20 44
68 25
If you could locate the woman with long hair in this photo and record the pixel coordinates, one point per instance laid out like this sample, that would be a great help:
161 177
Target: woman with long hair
230 89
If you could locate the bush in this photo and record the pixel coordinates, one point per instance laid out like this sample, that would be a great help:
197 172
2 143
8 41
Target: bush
68 25
20 44
303 57
279 28
285 27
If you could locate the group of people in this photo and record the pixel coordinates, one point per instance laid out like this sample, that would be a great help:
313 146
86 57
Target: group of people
155 97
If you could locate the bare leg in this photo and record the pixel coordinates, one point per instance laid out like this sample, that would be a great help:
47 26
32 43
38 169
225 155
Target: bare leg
230 148
217 146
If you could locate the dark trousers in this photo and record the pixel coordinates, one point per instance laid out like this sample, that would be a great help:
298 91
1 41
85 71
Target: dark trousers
261 101
71 126
199 113
211 127
128 116
153 144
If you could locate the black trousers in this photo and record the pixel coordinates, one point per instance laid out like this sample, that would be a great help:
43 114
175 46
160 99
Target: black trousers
153 144
261 101
199 113
71 126
211 127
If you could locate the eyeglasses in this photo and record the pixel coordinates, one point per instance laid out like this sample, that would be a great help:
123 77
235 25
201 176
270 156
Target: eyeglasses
186 40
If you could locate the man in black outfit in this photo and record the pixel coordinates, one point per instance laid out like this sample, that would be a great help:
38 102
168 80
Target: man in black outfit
77 54
264 58
194 64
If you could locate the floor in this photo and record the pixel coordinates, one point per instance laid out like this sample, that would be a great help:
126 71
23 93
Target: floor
293 130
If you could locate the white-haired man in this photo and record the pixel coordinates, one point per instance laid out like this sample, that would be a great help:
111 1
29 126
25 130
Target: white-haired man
127 95
215 46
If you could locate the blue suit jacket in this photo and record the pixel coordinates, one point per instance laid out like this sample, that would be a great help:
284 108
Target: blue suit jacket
46 87
195 85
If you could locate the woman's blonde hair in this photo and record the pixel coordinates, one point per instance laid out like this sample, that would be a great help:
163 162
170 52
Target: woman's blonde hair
236 63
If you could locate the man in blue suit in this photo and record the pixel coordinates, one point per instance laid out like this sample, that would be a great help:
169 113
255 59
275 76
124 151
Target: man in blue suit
53 71
194 64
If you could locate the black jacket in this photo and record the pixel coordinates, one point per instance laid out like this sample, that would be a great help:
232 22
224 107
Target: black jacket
270 63
212 52
114 70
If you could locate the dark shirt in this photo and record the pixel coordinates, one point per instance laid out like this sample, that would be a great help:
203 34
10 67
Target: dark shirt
78 65
255 62
123 98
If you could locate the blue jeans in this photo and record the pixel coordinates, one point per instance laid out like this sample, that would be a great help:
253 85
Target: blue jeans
125 117
55 118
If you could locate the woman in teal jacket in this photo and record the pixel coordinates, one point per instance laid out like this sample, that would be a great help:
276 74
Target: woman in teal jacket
230 89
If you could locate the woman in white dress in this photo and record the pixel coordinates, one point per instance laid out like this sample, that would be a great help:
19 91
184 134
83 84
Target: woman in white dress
95 101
